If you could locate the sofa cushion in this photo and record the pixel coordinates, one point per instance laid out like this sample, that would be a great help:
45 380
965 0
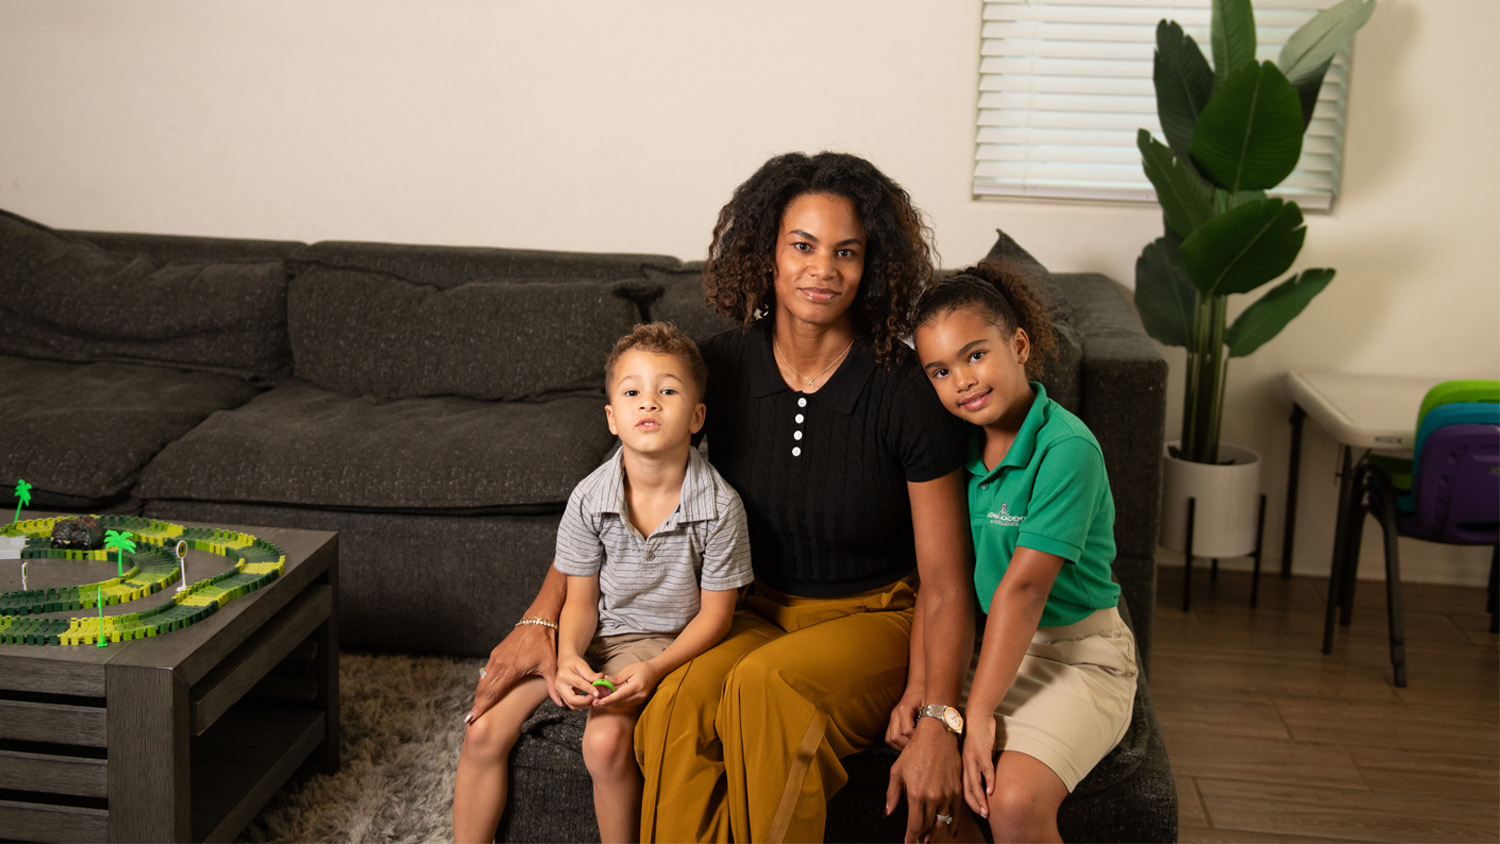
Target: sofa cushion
682 302
65 299
368 333
298 444
80 433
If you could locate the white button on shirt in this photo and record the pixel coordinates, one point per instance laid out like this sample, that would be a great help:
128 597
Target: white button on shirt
797 434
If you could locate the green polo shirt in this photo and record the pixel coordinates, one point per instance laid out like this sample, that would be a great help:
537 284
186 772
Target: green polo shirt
1051 494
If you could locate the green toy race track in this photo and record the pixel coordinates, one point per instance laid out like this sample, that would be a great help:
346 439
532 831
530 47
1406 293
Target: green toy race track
149 570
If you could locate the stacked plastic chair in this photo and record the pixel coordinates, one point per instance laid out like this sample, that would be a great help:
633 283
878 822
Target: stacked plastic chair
1449 492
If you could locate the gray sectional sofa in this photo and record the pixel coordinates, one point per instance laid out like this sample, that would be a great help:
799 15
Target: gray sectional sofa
435 405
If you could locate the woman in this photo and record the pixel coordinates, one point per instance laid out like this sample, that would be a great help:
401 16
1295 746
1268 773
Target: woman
850 472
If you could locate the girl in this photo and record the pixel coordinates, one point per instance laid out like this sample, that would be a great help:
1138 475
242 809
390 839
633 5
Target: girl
1057 664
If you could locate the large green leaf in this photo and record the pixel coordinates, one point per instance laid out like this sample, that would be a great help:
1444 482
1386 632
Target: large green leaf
1270 313
1307 54
1186 200
1244 247
1184 84
1249 136
1232 31
1164 294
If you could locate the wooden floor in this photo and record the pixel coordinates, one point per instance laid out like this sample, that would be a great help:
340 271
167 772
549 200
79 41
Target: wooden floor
1270 740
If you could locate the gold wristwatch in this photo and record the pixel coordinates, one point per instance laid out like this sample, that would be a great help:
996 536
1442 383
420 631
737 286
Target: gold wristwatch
950 716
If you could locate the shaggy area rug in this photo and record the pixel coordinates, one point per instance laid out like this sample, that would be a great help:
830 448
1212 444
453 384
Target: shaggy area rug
400 732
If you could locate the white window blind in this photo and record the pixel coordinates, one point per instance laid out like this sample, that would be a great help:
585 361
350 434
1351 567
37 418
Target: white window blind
1064 86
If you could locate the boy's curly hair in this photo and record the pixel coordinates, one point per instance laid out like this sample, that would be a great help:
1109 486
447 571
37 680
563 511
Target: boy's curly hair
659 338
738 275
1003 293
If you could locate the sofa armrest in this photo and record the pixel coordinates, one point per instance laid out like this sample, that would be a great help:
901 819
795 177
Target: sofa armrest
1123 386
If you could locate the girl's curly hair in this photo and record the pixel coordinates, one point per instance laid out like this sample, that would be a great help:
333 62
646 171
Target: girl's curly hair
738 275
1002 293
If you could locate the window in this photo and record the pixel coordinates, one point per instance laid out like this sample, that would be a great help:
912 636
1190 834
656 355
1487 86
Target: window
1064 85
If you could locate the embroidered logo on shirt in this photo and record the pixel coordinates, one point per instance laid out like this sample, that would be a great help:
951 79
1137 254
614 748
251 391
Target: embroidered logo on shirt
1004 518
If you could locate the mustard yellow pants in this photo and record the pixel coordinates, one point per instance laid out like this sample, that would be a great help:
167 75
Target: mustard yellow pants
743 743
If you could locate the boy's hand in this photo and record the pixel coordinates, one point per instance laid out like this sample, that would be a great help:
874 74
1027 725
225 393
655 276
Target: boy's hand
633 685
979 764
575 682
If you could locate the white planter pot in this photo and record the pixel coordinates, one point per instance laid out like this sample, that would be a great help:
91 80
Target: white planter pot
1227 506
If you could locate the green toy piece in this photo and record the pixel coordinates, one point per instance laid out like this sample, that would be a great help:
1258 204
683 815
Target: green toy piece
604 682
23 496
102 643
119 541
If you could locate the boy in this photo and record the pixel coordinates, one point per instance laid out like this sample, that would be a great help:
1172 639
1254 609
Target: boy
655 546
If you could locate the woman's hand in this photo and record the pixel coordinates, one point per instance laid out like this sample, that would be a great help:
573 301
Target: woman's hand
930 772
979 764
529 650
903 718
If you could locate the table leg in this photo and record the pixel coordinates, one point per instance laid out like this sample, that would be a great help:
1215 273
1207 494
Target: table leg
1294 463
1351 515
1336 575
149 779
327 639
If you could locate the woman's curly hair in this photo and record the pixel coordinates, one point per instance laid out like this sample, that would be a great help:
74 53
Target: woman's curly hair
1003 293
738 275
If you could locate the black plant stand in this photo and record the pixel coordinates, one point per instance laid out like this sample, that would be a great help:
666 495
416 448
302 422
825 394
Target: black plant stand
1213 575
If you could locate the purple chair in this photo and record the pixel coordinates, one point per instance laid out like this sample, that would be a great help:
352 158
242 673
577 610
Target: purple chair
1455 495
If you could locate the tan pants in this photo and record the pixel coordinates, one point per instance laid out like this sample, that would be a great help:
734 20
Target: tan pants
743 743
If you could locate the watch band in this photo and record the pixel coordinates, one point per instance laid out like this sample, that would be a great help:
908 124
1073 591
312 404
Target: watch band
950 717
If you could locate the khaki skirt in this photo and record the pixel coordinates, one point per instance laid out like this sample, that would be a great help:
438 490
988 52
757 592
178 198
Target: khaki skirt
1072 699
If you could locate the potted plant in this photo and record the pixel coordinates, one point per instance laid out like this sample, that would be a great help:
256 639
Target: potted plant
1233 131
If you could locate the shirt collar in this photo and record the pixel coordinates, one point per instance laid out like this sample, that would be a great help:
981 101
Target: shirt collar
696 504
1025 445
842 388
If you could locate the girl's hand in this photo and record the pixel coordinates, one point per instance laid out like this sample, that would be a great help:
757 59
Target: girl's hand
903 719
633 685
979 764
575 682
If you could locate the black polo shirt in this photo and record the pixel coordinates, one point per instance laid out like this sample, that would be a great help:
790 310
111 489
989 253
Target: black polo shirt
823 475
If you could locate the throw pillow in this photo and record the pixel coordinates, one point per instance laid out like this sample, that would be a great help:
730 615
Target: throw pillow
1009 253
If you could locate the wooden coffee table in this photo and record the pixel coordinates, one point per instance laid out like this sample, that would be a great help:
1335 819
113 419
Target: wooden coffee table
181 737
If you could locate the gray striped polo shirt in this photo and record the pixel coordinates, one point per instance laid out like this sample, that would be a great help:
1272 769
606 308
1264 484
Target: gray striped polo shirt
650 584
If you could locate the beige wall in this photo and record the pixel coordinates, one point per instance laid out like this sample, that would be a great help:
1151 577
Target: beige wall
602 125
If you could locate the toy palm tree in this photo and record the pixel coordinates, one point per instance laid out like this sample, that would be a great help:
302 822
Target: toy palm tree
119 541
23 497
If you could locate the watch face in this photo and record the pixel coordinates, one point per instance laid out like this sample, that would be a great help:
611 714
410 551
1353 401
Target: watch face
953 719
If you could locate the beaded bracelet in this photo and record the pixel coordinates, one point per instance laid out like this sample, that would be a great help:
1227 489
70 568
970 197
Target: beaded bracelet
537 620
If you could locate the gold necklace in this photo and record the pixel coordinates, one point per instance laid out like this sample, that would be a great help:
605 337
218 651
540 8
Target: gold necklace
777 349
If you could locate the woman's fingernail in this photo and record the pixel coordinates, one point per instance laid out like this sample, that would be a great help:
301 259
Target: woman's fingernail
469 719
